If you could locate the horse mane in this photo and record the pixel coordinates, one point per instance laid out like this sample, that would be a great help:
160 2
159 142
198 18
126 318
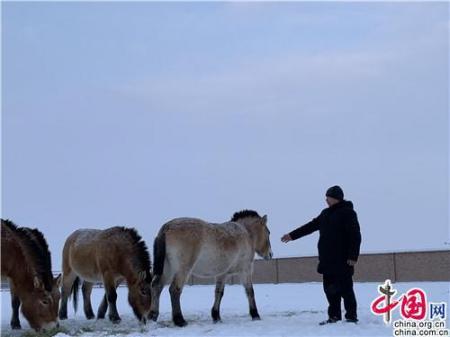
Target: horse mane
8 223
36 249
244 214
140 250
45 256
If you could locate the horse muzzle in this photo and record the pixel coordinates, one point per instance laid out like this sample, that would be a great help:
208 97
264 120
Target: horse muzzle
268 256
48 326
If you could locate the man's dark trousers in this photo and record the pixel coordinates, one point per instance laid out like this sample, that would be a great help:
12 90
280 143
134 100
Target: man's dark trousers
337 287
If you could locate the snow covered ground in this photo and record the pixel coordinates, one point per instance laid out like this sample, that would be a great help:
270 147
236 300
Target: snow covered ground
285 309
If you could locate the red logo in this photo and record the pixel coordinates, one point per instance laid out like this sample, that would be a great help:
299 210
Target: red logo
413 303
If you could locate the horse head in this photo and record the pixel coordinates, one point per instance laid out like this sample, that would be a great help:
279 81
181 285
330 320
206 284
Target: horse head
257 226
262 242
40 305
139 295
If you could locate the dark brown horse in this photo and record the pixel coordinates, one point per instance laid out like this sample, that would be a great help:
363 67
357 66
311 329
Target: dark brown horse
109 256
186 246
26 263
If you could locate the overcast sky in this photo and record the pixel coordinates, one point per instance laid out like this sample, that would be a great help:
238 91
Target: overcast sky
136 113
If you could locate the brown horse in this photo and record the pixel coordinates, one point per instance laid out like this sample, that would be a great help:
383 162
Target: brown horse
109 256
26 263
187 246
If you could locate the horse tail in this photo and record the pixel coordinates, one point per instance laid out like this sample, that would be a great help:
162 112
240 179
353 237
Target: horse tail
159 254
74 291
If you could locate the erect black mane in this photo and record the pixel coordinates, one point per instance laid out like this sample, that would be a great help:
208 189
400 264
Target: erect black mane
244 214
8 223
141 251
36 247
45 256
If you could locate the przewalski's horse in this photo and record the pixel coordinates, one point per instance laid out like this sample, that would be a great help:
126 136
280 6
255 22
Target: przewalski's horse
187 246
26 263
109 256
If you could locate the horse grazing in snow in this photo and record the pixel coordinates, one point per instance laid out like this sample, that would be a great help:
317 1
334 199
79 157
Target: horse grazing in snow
186 246
109 256
26 264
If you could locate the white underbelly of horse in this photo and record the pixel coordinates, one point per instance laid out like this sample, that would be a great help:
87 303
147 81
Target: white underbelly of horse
89 276
87 272
92 278
211 265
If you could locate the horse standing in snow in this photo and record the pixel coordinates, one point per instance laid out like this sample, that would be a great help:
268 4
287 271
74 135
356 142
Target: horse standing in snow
187 246
26 263
109 256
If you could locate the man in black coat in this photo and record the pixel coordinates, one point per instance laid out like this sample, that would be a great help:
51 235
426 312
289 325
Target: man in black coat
339 243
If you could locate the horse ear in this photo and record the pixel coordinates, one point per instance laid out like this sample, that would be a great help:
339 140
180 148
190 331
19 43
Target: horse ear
58 280
37 283
264 219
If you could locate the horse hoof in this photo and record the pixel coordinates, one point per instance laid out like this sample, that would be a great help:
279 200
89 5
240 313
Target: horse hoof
90 316
254 314
153 315
179 321
218 320
16 326
101 315
115 320
215 315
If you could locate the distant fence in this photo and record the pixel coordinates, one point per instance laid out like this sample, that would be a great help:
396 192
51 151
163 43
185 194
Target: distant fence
398 267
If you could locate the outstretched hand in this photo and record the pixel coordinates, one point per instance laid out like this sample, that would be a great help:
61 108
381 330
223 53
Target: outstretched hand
286 238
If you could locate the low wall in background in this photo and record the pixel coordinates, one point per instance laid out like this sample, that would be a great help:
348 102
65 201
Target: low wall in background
398 267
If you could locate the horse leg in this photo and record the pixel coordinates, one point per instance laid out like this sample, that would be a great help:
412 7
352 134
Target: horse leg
103 307
68 279
215 311
15 304
111 296
175 293
101 312
87 306
248 285
157 287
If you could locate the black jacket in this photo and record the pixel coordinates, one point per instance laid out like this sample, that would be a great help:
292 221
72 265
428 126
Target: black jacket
340 238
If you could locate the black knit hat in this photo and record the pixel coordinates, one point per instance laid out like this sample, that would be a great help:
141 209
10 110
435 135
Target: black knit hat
335 192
